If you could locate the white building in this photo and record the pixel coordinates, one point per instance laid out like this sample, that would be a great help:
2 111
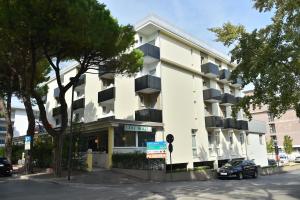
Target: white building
183 89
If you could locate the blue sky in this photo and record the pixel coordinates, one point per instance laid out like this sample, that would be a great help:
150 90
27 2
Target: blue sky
193 16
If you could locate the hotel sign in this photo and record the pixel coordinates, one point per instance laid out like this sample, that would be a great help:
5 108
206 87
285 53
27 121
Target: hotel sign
156 149
137 128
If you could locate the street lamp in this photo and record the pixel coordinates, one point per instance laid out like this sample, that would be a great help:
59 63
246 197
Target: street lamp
71 131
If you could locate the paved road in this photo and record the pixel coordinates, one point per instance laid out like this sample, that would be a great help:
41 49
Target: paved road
284 186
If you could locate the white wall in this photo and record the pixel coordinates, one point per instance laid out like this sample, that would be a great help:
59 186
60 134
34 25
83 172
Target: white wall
255 150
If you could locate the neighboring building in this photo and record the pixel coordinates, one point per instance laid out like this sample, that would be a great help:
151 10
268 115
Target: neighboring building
277 128
256 142
183 89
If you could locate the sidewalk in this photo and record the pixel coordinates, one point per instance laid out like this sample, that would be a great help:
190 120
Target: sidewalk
97 177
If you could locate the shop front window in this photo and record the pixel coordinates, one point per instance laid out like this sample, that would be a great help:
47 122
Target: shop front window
125 139
145 137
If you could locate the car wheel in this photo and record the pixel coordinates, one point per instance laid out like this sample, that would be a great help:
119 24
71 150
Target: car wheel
240 176
255 175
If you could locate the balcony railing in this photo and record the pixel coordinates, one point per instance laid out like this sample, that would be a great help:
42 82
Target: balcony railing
227 99
237 82
148 115
56 92
242 125
148 84
224 75
106 96
81 80
213 122
151 53
210 69
79 103
56 111
212 95
230 123
106 72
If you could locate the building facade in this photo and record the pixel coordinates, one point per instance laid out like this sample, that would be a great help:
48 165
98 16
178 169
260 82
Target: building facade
277 128
2 132
183 89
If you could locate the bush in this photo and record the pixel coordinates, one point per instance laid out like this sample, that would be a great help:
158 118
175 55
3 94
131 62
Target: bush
17 151
2 152
42 152
136 161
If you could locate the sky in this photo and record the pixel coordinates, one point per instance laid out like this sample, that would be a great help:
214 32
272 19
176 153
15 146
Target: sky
192 16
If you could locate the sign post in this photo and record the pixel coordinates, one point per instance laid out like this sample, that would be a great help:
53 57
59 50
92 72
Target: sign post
170 139
27 142
155 150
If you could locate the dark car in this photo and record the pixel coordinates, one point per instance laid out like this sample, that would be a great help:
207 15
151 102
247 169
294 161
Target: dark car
5 167
297 159
272 162
239 169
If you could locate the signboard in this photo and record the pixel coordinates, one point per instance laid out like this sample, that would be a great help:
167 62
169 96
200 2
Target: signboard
137 128
27 142
156 149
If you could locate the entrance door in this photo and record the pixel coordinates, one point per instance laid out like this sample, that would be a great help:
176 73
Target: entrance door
99 144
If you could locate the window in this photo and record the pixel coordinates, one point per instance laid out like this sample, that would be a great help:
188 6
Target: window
270 117
210 139
141 39
272 128
2 128
191 51
77 117
2 142
242 138
145 137
230 138
202 60
125 139
57 121
217 138
194 143
248 139
260 139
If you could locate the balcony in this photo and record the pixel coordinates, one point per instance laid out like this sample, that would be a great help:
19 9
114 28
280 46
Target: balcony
227 99
224 76
151 53
106 96
230 123
212 95
148 84
238 99
237 82
148 115
210 70
56 92
79 103
242 125
56 111
106 72
213 122
81 81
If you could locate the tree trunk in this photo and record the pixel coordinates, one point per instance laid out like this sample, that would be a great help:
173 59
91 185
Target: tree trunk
58 147
9 127
30 132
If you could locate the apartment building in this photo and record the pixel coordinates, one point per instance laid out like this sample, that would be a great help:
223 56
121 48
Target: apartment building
2 132
183 89
277 128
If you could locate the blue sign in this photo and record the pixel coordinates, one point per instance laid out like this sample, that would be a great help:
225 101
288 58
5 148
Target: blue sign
156 149
27 138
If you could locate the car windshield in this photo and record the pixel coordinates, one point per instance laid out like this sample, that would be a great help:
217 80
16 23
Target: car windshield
233 163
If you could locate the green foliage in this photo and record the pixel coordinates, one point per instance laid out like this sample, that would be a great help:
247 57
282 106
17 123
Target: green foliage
42 151
17 151
288 144
268 57
135 161
2 151
270 146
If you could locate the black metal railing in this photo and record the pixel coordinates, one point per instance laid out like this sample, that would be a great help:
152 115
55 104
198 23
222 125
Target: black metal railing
210 68
213 122
211 95
79 103
150 50
228 99
149 82
230 123
148 115
106 94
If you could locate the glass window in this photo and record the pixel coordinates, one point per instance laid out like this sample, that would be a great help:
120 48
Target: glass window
145 137
217 135
260 139
125 139
272 128
242 138
210 139
231 138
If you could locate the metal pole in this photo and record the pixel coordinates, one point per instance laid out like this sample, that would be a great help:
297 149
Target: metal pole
171 166
71 136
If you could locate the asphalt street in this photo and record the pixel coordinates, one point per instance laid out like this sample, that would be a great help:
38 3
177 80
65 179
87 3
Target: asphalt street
283 186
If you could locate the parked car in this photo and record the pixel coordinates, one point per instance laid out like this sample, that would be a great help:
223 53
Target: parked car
283 160
239 169
5 167
272 162
297 159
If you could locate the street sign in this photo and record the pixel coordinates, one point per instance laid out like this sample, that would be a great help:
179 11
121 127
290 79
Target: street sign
137 128
27 142
170 138
156 149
